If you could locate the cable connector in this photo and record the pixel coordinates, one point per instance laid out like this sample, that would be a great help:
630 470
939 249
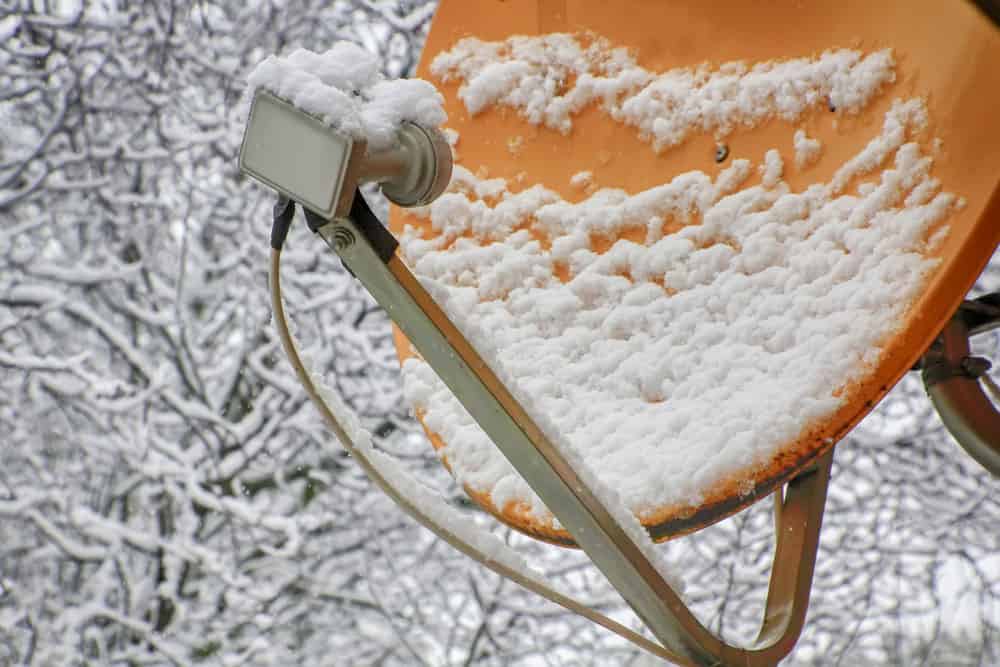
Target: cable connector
284 211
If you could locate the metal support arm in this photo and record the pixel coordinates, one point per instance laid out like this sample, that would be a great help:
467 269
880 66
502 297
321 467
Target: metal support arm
953 379
575 505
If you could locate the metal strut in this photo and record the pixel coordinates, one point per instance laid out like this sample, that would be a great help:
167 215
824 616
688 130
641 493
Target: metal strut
954 381
683 638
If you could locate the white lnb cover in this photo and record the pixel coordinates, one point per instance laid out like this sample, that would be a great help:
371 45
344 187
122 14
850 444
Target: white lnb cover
294 153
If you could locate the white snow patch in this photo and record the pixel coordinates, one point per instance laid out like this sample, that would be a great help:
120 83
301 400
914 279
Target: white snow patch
807 149
344 88
549 78
772 169
582 179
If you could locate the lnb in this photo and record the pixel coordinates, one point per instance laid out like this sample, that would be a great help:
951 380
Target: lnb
306 160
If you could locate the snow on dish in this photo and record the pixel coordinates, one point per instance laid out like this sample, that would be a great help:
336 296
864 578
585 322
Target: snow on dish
582 179
344 88
672 364
551 77
807 149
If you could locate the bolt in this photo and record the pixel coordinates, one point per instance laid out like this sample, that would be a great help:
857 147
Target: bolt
976 367
342 238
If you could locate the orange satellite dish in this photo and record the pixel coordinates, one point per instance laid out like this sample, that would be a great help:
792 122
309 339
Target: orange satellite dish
957 87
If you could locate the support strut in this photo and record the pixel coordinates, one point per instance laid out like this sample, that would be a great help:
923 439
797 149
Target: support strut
564 492
954 381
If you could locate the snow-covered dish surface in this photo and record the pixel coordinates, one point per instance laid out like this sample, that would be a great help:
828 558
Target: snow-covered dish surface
547 79
344 88
676 337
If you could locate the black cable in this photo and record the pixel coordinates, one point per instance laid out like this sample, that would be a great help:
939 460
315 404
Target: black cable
283 212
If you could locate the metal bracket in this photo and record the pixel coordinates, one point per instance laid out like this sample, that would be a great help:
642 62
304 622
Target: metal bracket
366 222
952 378
579 510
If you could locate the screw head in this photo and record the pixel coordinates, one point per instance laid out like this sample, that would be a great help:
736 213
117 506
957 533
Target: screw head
343 238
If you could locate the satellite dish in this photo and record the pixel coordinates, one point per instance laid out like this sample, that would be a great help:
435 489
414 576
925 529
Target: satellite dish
598 147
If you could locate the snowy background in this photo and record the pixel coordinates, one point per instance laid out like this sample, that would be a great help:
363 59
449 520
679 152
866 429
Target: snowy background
168 496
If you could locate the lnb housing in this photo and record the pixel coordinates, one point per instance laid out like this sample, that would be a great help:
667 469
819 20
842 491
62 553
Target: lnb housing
310 162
